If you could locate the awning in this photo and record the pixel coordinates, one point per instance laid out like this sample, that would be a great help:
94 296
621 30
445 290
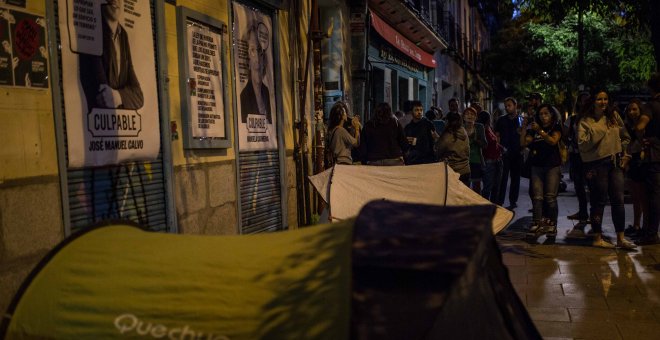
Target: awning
400 42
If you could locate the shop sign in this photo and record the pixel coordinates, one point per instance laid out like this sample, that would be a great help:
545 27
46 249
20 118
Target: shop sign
401 43
388 54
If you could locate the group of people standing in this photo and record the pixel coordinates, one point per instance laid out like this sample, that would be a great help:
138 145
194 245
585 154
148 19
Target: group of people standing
466 141
607 148
602 147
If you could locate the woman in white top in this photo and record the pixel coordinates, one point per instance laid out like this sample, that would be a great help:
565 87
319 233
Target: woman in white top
603 141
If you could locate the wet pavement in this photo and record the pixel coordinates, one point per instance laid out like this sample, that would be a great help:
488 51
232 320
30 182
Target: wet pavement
575 291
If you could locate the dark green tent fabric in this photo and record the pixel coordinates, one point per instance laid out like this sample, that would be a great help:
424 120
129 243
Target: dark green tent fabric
120 281
432 272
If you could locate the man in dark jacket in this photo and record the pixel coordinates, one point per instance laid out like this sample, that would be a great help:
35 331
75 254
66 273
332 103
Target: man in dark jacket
507 130
420 134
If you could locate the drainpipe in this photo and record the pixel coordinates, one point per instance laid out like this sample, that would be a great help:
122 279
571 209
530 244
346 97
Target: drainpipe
299 127
301 150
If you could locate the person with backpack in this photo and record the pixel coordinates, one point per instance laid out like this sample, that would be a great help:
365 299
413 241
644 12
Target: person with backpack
340 142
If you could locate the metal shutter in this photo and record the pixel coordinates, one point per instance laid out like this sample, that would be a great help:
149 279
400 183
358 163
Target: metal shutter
260 191
133 191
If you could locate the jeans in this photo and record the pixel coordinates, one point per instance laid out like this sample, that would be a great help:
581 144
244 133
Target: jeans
577 173
511 164
604 178
544 183
653 196
492 175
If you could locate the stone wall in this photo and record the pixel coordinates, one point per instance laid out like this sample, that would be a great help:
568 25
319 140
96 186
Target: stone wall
30 226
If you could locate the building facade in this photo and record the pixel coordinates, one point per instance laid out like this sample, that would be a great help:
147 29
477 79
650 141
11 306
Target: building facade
225 107
188 150
404 50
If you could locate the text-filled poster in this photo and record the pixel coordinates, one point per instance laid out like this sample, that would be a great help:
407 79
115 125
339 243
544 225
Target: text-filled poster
109 81
23 51
253 62
205 82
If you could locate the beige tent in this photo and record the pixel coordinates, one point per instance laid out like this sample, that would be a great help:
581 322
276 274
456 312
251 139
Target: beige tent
349 187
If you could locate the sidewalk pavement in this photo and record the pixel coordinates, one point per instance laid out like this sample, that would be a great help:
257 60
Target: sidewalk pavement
575 291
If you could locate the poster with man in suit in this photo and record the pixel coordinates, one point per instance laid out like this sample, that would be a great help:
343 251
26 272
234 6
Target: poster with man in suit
110 95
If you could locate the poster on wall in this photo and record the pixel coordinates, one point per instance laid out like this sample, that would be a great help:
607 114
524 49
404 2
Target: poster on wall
255 91
205 81
23 52
109 81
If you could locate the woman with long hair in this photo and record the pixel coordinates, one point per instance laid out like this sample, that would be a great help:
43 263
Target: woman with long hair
603 143
383 140
635 172
453 146
542 140
340 142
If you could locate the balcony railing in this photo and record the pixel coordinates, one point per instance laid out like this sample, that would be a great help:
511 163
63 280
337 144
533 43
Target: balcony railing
444 24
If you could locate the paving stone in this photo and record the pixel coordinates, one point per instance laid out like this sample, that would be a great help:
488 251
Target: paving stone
550 289
599 290
639 330
577 330
543 278
631 302
549 314
604 315
573 301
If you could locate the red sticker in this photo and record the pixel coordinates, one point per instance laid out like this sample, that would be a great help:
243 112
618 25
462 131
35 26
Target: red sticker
26 38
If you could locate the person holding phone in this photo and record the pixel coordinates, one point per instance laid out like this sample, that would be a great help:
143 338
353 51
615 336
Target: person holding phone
340 142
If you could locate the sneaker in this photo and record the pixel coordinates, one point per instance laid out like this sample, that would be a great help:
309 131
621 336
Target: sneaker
512 206
625 244
648 240
576 232
600 243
